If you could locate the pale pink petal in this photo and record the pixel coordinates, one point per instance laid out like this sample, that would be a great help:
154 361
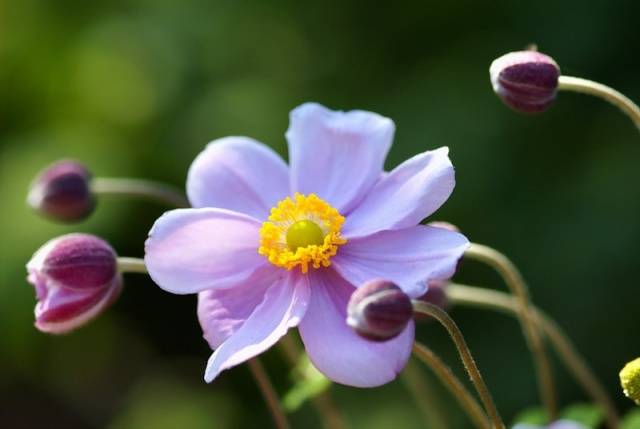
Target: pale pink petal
409 193
239 174
222 312
337 155
65 310
336 350
190 250
409 257
283 307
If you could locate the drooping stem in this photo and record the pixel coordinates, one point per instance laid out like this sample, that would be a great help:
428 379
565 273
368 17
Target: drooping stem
423 394
148 189
585 86
468 403
574 362
269 394
131 265
323 402
514 281
465 354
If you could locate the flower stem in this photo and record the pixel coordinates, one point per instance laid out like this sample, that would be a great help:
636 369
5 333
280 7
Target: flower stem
465 354
575 363
468 403
148 189
269 394
322 402
131 265
518 288
584 86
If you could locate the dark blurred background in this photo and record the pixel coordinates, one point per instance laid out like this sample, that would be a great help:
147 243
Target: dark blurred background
138 87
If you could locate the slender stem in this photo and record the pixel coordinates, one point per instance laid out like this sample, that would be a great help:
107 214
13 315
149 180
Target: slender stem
518 288
465 354
131 265
148 189
584 86
575 363
323 402
468 403
269 394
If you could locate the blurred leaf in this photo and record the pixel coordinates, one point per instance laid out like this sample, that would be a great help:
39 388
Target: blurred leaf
163 401
586 414
309 382
631 420
533 415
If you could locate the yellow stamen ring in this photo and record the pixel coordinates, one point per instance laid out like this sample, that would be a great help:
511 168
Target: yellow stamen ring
302 231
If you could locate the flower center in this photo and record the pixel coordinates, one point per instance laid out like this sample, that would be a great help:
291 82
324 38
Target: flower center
302 231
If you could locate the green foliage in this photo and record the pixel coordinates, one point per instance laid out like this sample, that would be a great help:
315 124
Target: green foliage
631 420
586 414
308 383
532 415
138 87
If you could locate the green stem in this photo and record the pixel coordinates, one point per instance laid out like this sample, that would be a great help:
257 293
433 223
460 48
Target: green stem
514 281
269 393
148 189
584 86
131 265
574 362
465 354
468 403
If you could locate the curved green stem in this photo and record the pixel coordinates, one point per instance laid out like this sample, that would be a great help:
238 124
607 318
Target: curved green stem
465 354
574 362
514 281
585 86
269 394
148 189
468 403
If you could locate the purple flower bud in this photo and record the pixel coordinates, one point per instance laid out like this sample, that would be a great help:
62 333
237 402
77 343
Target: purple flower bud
526 81
62 192
379 310
76 277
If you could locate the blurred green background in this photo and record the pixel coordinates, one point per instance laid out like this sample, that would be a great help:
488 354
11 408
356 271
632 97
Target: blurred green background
138 87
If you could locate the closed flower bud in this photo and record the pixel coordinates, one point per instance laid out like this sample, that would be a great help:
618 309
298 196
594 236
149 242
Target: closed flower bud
526 81
62 192
630 380
76 277
379 310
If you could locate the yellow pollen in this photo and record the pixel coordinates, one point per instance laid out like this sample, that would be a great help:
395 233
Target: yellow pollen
303 231
630 380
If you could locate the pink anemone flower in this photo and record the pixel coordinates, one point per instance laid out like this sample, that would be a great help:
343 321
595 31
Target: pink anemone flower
269 247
